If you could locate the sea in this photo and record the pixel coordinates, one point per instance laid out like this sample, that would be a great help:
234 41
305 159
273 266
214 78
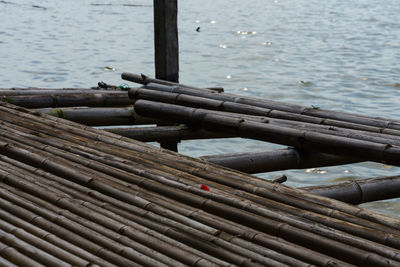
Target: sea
340 55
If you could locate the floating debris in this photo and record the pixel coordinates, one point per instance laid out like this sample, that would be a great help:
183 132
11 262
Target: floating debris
245 33
40 7
223 46
266 43
305 83
109 68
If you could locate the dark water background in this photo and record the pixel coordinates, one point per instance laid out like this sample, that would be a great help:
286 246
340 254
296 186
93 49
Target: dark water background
341 55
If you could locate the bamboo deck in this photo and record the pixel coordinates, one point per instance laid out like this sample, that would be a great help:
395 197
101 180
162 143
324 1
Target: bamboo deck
75 195
71 194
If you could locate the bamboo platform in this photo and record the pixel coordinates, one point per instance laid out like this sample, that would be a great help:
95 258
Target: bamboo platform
75 195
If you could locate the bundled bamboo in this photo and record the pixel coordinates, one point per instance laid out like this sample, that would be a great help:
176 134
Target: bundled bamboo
131 172
93 99
276 160
247 183
276 134
273 105
58 92
100 116
143 79
360 191
167 133
279 117
15 257
346 250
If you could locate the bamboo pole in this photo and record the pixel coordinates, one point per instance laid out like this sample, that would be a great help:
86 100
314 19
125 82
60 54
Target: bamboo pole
54 227
360 191
82 194
210 250
89 99
167 133
58 92
14 256
236 180
132 250
275 160
269 115
273 105
210 169
100 116
214 207
54 245
43 245
193 242
31 251
143 79
276 134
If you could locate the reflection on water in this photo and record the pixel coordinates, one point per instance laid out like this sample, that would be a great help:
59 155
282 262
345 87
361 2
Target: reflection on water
341 55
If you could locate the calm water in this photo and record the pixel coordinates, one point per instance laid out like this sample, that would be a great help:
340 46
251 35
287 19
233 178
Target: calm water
341 55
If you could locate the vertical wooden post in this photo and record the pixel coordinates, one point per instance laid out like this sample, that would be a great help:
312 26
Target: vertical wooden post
166 46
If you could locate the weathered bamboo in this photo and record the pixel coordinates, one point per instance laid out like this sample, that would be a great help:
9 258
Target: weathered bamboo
77 216
66 246
143 79
53 226
81 193
58 92
276 134
140 219
213 174
230 256
43 245
273 105
167 133
14 256
100 116
278 117
40 89
361 190
31 251
6 263
214 249
275 160
296 109
219 210
90 100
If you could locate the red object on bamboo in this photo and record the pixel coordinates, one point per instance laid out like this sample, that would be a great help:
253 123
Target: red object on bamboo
204 187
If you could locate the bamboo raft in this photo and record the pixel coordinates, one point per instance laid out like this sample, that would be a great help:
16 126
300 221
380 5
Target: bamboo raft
75 195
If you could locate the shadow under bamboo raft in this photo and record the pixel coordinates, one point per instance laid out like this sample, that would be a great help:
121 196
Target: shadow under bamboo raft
75 195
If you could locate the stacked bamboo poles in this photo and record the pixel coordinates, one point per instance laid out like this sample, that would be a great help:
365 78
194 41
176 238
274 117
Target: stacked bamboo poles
241 218
100 116
167 133
276 160
273 106
302 139
360 191
65 98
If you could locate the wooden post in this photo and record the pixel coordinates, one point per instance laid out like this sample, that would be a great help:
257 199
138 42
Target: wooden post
166 47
